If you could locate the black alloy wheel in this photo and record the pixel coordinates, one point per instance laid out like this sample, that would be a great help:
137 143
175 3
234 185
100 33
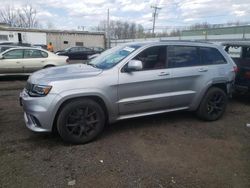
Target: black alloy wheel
213 105
80 121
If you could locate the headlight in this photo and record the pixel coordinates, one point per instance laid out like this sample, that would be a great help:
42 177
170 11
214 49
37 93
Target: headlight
39 90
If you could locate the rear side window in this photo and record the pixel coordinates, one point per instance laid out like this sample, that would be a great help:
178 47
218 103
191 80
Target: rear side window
183 56
30 53
211 56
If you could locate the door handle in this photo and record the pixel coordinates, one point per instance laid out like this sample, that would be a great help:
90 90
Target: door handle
17 62
202 69
42 61
164 74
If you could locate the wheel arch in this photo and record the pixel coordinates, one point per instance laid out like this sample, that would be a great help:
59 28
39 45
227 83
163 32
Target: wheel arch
49 65
96 98
219 84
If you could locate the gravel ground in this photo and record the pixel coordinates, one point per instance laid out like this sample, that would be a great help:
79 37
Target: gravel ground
168 150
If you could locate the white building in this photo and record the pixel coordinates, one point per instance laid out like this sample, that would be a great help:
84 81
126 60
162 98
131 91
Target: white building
60 39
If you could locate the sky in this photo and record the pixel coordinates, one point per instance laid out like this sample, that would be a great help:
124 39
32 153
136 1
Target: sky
70 14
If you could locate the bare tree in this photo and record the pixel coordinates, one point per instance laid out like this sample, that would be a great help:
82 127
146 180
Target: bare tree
24 17
8 15
122 30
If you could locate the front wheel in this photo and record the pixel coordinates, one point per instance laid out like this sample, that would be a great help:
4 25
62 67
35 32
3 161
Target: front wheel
80 121
213 105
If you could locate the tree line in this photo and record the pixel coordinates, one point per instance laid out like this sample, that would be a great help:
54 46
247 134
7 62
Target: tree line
24 17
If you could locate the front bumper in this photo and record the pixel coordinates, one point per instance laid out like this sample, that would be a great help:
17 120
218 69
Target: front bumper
39 112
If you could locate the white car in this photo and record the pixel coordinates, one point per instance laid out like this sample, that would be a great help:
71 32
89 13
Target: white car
25 60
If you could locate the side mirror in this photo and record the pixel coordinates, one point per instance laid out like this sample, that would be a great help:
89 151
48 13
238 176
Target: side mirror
1 56
134 65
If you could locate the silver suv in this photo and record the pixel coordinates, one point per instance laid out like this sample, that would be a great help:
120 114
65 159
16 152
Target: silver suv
128 81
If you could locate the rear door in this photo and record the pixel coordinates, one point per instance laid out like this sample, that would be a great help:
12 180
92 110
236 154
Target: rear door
34 60
189 74
12 62
146 90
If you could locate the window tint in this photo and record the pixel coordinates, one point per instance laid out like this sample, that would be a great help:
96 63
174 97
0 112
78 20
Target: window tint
183 56
153 57
13 54
34 54
211 56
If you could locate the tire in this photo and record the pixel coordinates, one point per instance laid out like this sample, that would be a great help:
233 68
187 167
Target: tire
80 121
213 105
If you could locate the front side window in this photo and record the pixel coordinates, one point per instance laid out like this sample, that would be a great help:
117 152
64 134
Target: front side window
183 56
153 58
211 56
30 53
13 54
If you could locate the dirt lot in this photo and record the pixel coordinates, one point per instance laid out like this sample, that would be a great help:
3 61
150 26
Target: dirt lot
169 150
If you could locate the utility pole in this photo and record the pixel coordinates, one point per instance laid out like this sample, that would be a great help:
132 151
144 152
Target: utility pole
108 32
156 8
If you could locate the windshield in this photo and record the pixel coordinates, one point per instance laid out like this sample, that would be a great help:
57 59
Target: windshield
111 57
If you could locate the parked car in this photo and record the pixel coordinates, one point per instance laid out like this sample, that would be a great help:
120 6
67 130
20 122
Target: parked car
240 52
16 44
132 80
76 53
6 47
97 50
25 60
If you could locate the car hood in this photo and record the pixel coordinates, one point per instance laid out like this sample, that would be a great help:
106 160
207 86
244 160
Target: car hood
66 72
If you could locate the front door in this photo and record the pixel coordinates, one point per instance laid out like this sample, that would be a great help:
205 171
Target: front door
11 62
146 90
192 68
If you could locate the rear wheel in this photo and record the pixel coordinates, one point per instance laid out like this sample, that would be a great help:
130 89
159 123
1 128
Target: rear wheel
213 105
80 121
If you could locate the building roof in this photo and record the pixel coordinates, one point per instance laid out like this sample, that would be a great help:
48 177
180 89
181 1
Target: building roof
50 31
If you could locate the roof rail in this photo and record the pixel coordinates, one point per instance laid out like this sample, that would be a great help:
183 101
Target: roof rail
198 41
